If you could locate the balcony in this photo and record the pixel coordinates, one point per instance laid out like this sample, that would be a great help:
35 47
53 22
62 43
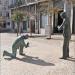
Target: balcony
22 3
17 3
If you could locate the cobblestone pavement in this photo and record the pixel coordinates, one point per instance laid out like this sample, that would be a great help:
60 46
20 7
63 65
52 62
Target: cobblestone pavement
42 57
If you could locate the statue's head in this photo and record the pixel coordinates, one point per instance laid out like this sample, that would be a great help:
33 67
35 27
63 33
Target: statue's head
25 36
63 14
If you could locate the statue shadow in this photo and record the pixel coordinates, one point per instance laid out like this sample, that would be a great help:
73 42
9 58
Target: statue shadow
71 59
30 59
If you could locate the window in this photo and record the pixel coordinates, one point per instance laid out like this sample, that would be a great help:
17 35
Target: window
0 2
8 23
7 14
0 13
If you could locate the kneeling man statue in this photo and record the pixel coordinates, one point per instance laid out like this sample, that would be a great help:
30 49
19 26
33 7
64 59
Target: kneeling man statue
18 44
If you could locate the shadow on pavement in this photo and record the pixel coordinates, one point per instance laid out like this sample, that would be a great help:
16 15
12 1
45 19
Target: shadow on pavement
32 60
71 59
57 38
72 40
28 59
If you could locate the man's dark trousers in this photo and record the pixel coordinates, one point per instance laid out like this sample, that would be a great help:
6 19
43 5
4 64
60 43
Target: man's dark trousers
66 48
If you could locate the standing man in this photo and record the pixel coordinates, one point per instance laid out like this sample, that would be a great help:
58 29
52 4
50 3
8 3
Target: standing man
66 34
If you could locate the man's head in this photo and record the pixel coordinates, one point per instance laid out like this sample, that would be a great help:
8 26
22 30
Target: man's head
25 36
63 14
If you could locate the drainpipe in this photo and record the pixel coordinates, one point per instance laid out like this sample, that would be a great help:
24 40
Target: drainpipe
35 19
71 22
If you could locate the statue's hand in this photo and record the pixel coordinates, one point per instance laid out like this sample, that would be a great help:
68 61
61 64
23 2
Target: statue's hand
58 28
27 44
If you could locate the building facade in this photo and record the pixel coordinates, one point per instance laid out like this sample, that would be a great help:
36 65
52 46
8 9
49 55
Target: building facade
4 14
44 15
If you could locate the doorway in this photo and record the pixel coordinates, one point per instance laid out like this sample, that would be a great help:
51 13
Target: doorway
33 26
25 26
73 26
60 20
57 22
43 23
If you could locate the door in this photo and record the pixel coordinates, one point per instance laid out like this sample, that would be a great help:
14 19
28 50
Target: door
44 23
33 26
57 22
24 26
73 27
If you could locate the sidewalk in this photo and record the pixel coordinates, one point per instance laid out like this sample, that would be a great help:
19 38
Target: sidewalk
42 57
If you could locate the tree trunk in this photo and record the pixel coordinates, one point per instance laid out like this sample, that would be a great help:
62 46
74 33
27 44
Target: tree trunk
17 29
20 27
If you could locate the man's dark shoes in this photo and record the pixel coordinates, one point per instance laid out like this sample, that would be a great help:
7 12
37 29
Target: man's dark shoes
27 45
68 57
22 54
63 58
4 53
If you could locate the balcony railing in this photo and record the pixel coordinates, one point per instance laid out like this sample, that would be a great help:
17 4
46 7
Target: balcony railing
17 3
33 1
30 1
25 2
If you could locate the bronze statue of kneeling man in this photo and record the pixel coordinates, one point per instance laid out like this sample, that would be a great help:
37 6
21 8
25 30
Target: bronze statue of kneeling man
18 44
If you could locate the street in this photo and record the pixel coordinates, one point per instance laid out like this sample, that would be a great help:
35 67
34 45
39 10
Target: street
41 57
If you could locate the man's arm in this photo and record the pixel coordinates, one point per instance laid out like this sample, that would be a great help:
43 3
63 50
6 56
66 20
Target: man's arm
26 45
61 26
